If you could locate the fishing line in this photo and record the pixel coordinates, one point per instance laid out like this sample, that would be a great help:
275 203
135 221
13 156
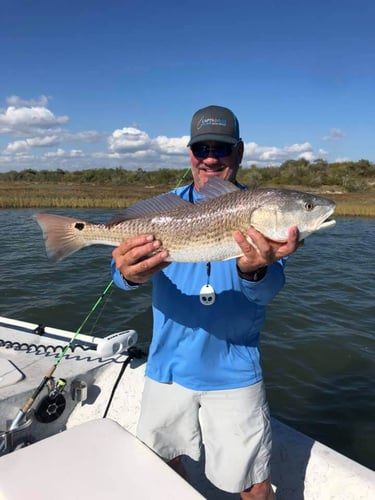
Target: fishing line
99 315
78 331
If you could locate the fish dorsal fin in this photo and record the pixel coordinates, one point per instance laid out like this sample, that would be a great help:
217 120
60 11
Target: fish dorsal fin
151 206
215 187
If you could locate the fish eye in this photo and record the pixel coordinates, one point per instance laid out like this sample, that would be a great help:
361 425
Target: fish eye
309 206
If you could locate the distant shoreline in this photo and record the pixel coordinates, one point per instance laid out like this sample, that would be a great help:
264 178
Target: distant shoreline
91 195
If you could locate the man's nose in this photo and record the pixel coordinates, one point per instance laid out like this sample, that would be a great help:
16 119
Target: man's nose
211 159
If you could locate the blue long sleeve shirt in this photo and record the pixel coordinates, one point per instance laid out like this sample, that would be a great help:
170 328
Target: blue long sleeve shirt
207 347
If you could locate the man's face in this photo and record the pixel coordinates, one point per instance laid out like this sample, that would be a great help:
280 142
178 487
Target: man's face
215 159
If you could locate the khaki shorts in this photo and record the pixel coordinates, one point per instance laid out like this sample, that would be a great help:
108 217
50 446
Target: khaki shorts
233 424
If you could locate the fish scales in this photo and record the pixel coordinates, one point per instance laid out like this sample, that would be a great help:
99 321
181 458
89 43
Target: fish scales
202 231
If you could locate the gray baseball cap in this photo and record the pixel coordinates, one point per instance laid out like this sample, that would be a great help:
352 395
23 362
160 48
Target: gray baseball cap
214 123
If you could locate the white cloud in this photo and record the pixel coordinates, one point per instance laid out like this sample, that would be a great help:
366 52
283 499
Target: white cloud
16 147
343 159
334 134
23 145
20 120
172 145
50 140
47 141
136 142
307 155
297 148
84 136
61 153
128 139
17 102
272 155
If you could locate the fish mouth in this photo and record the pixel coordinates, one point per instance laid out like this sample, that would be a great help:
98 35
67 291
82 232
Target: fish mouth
326 222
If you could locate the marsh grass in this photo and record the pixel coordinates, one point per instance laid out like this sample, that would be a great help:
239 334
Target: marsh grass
30 195
355 204
39 195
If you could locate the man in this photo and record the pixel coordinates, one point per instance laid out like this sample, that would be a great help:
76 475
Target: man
203 376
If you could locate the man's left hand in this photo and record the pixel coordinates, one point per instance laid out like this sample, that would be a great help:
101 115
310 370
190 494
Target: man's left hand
263 252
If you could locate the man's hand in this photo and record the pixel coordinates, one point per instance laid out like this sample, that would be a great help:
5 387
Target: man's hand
264 252
135 260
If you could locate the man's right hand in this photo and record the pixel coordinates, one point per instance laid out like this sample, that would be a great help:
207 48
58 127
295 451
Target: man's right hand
135 260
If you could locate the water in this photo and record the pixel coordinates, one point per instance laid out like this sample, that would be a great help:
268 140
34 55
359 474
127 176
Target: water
317 343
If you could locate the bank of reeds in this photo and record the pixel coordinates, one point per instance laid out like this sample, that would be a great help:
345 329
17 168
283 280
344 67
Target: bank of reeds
355 210
354 204
30 195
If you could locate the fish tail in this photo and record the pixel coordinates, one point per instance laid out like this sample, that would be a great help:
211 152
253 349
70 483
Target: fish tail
62 235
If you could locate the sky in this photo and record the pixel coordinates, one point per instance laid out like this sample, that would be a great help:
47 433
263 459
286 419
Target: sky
114 83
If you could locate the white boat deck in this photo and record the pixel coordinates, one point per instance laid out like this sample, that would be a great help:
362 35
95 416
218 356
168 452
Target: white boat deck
94 461
302 468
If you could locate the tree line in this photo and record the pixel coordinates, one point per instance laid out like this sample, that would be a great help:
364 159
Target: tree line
350 176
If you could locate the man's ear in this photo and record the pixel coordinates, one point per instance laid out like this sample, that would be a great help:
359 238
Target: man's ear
240 151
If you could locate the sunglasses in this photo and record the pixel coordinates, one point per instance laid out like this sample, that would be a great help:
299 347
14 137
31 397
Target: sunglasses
219 150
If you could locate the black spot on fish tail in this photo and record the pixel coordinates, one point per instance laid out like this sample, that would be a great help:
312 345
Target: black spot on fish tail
80 226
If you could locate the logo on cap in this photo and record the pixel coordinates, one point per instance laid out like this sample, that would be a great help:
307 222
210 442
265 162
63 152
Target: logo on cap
208 122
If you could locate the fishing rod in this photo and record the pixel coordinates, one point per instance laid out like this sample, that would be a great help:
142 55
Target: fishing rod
183 177
27 406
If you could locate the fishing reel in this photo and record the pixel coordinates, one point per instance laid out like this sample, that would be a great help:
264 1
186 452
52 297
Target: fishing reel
52 406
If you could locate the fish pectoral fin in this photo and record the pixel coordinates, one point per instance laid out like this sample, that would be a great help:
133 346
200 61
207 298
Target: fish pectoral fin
266 221
152 206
